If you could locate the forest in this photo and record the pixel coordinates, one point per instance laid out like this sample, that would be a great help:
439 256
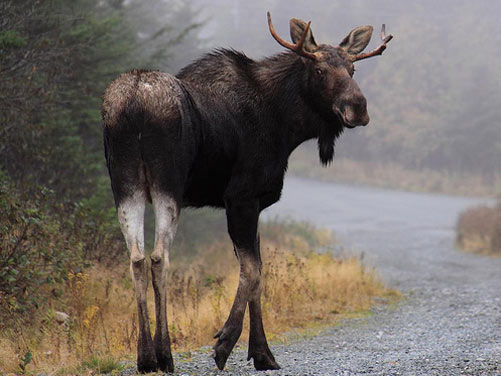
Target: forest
433 99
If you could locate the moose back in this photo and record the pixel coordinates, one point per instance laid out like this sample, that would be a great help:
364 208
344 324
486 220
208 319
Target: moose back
220 134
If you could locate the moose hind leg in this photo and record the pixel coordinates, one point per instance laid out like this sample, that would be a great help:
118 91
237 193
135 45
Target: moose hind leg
166 215
258 346
131 218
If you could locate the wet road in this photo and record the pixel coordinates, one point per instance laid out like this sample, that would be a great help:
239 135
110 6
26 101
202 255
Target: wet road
408 236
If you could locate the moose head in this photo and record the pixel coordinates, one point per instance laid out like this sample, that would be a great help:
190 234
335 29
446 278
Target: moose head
330 69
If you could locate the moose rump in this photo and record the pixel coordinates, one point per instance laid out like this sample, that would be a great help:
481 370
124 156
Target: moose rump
145 152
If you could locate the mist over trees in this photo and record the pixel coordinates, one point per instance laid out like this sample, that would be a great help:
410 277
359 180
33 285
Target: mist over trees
57 58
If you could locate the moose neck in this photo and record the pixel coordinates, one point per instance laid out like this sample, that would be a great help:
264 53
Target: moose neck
282 78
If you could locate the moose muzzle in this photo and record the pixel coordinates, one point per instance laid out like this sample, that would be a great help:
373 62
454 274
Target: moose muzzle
355 114
353 106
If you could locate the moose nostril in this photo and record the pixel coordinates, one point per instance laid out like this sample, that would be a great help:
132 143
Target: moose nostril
361 103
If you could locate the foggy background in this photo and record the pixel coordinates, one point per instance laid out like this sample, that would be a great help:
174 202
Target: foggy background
433 96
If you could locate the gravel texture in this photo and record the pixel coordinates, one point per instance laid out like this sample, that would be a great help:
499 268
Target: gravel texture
448 324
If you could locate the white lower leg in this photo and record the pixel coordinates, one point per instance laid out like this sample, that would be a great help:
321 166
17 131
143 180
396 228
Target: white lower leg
131 218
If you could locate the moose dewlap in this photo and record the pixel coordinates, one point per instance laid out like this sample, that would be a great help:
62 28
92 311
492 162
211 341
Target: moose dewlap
220 134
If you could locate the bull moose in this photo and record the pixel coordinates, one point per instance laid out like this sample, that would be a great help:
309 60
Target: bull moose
219 134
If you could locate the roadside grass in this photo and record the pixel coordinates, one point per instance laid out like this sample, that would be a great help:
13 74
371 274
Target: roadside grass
303 291
394 176
100 365
478 230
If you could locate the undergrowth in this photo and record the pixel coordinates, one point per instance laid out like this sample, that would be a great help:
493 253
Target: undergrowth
302 288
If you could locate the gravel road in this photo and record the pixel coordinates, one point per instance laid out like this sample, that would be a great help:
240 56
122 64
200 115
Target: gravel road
450 322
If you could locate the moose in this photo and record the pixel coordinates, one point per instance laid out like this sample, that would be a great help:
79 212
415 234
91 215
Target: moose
219 134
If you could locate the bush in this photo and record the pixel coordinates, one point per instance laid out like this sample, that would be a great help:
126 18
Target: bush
478 230
97 223
36 251
44 238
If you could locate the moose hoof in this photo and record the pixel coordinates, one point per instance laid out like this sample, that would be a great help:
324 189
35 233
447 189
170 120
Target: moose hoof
226 339
146 360
263 360
166 364
147 366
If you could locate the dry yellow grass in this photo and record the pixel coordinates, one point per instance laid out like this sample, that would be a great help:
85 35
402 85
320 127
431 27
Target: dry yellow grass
476 244
478 230
301 288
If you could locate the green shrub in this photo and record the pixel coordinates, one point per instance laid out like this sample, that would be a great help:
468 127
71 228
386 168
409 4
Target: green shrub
11 39
37 250
103 365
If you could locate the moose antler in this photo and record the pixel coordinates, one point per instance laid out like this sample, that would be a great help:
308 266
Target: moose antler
378 51
298 47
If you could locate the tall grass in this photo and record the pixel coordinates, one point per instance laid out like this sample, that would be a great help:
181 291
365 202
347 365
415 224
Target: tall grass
302 288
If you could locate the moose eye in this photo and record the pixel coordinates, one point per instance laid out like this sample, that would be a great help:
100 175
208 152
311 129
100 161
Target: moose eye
320 73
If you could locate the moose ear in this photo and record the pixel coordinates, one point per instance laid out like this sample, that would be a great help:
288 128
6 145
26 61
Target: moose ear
297 31
356 41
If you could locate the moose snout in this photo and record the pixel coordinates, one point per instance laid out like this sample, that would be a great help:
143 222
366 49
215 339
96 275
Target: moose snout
353 105
355 112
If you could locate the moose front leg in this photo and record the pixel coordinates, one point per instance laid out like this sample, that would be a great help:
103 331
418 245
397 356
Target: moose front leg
242 226
229 334
242 219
